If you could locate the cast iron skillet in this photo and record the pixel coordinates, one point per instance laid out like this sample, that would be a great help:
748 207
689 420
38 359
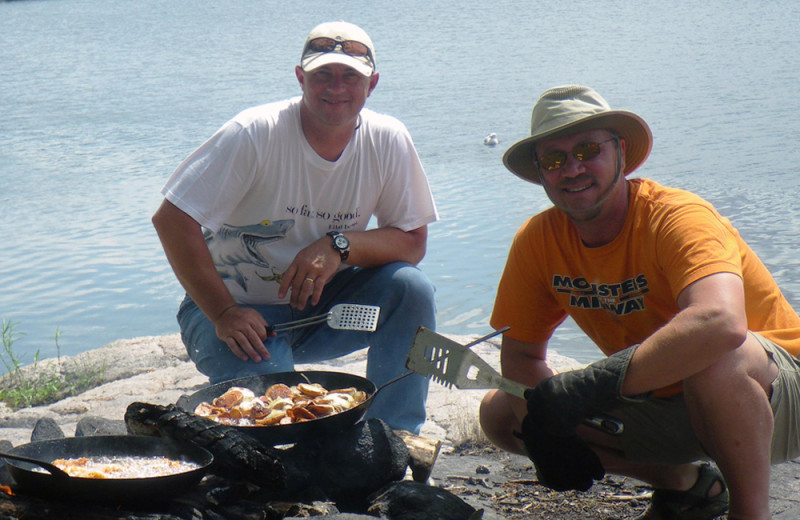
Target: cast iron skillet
296 432
30 477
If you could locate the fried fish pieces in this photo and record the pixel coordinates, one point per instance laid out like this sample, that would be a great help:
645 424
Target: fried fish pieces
280 404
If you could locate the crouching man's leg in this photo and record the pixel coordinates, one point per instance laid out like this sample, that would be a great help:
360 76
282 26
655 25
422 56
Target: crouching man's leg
738 412
498 420
407 303
729 408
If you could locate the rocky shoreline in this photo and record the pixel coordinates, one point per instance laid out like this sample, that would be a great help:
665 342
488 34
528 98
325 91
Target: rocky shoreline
156 369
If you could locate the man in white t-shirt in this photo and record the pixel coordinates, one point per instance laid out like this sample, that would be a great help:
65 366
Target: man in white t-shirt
267 221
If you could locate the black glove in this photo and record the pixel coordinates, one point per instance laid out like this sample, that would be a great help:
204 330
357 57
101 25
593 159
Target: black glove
560 403
562 462
556 406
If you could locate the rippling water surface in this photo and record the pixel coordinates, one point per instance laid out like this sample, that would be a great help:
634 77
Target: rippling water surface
101 100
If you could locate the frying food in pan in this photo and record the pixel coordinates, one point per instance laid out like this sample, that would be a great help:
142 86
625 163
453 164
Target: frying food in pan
279 405
31 466
123 466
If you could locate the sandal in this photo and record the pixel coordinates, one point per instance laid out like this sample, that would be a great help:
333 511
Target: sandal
692 504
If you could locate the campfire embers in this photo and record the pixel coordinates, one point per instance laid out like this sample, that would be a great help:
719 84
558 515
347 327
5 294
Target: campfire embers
358 471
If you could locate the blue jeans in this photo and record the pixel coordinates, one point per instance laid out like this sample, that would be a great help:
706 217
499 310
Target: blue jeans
406 298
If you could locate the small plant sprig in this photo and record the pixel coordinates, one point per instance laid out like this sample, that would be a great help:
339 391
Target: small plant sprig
11 358
41 384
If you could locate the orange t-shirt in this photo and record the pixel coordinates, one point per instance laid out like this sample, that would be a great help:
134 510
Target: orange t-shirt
622 292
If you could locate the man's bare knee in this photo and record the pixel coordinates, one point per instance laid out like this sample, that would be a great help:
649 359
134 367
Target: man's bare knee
749 360
498 421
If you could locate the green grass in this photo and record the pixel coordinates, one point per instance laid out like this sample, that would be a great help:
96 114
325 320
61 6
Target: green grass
41 382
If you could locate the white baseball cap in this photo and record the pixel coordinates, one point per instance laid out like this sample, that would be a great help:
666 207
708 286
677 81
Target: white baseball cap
347 44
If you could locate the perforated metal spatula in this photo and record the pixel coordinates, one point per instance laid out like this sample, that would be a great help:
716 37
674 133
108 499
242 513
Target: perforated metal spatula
343 316
452 364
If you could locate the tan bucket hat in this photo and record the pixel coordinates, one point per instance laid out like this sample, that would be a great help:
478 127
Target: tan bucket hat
570 109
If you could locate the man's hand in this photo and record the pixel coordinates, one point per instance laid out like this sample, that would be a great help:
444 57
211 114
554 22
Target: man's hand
560 403
308 273
244 331
552 407
562 462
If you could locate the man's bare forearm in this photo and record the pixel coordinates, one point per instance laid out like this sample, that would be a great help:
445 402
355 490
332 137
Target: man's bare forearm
187 253
382 246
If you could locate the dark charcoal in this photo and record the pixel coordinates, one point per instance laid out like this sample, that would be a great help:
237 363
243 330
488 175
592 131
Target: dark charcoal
348 467
287 510
5 476
46 429
235 454
337 516
90 426
415 501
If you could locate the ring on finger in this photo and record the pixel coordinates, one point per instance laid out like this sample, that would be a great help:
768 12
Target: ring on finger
309 280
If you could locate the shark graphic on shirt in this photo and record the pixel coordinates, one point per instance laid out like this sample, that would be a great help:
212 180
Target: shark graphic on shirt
238 251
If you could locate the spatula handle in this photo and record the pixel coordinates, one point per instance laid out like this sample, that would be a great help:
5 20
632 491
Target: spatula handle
305 322
488 336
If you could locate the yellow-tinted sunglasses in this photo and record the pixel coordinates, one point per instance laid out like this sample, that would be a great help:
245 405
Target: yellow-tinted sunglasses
584 151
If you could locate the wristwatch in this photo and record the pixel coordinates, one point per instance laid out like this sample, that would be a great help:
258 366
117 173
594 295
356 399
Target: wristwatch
340 244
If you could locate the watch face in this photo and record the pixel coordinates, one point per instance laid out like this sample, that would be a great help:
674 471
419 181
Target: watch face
341 242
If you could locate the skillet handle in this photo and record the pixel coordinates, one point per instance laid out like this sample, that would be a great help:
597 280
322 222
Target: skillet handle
52 469
393 380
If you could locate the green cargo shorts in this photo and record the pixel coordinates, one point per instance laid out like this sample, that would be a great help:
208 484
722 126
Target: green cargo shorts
658 431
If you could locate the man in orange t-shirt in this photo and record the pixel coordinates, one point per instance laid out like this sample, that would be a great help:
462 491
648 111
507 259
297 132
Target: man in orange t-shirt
701 344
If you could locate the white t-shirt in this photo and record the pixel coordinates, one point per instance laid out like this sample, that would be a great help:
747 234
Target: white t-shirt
262 193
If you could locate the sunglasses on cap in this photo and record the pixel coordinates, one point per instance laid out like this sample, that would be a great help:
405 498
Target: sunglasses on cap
584 151
349 47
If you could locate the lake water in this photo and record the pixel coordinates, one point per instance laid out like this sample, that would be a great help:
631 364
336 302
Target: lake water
101 99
